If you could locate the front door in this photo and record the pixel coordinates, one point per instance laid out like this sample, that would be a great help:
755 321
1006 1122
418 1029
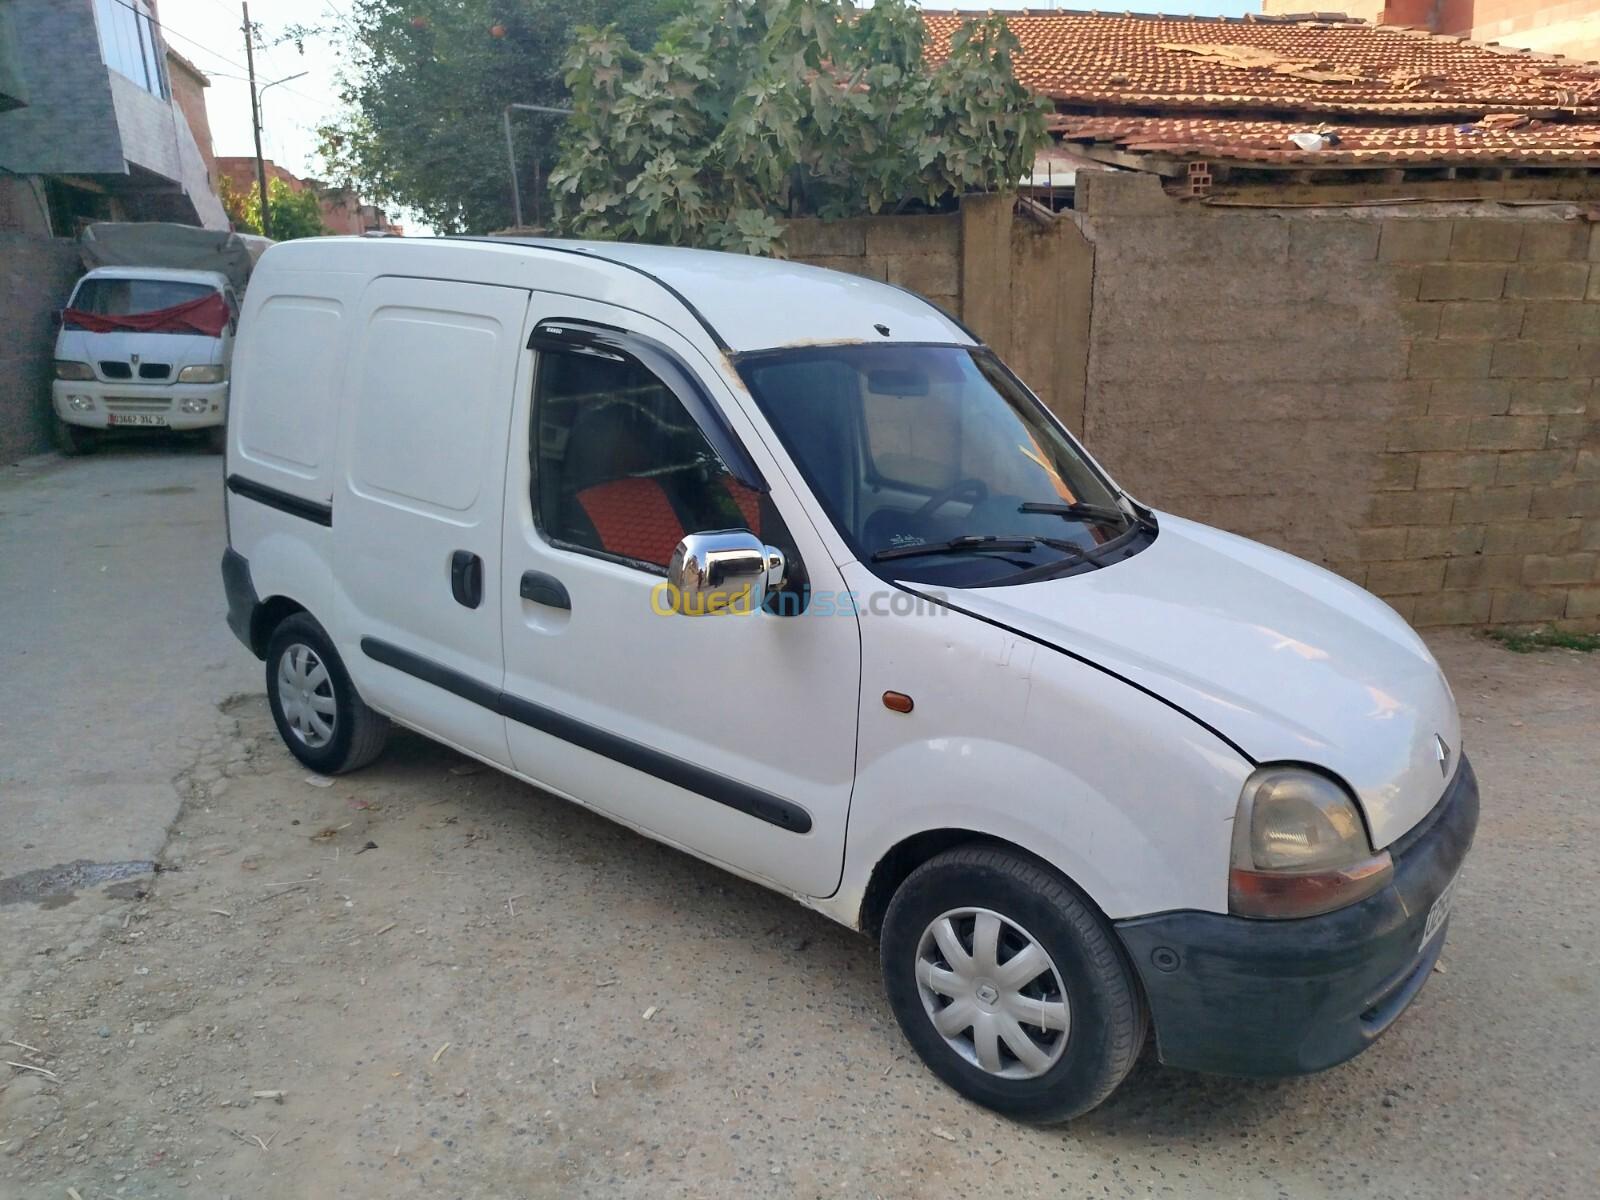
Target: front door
730 735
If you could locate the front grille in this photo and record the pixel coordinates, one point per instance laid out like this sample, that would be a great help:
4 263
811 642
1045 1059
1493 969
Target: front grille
116 370
140 404
154 370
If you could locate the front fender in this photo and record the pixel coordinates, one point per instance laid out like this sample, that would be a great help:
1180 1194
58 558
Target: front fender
1129 798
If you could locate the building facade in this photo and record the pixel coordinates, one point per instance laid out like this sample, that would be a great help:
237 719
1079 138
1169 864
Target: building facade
343 211
99 134
1566 27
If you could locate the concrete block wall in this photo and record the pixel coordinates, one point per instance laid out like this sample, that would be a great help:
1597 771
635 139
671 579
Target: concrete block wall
1495 483
36 274
1022 286
1407 400
922 253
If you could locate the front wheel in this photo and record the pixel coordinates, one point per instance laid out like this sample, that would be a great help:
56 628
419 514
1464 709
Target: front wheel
320 715
216 439
1010 986
71 440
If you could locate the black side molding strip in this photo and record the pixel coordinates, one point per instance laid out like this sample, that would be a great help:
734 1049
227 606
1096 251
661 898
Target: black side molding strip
1088 662
752 801
295 506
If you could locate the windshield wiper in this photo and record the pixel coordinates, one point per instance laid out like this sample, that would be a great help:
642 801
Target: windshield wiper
1094 514
976 541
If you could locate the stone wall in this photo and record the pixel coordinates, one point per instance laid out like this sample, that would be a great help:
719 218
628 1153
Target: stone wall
36 274
1407 397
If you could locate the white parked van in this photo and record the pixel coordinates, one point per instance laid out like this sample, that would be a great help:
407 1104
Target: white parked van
143 348
784 568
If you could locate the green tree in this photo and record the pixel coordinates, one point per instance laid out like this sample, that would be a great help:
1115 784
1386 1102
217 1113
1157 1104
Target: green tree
746 111
294 214
424 91
243 208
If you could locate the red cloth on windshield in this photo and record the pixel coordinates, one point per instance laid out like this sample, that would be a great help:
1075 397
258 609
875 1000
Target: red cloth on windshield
207 315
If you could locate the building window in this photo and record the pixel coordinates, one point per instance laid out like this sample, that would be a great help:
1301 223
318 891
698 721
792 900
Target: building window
128 43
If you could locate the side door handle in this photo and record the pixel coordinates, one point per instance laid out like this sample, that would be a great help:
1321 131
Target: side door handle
545 589
466 578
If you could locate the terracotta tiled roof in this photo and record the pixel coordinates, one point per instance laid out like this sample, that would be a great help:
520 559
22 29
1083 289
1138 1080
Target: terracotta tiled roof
1235 139
1331 66
1237 88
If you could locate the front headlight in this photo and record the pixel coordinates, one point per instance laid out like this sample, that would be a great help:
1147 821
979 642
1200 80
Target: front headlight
206 374
66 369
1300 847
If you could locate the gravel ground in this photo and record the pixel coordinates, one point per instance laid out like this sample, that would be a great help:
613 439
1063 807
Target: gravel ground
427 979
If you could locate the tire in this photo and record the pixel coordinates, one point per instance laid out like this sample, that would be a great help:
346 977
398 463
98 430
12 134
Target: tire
215 439
334 731
1084 978
71 440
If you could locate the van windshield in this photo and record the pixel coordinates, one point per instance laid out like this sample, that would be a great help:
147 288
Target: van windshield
130 297
937 466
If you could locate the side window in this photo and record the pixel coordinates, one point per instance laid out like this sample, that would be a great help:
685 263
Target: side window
619 466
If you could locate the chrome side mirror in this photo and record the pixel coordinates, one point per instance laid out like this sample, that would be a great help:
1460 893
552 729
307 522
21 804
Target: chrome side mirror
729 571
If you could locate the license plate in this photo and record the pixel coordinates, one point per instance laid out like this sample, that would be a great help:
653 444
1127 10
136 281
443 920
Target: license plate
1438 914
135 419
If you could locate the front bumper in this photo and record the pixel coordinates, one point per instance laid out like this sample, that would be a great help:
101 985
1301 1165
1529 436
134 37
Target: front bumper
1238 996
163 401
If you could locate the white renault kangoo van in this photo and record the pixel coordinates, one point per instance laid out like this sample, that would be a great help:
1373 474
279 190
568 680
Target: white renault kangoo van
784 568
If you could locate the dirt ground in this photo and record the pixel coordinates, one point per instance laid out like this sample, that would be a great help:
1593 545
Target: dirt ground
427 979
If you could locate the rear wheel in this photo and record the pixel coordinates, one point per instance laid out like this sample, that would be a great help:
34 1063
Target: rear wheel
319 714
1010 986
70 439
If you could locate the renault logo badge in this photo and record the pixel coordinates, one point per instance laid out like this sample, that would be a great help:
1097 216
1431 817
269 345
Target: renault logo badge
1441 748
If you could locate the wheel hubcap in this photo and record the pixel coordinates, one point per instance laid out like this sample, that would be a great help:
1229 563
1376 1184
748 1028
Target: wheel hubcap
305 694
993 993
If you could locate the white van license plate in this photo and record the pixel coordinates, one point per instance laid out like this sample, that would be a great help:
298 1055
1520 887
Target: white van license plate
1438 914
135 419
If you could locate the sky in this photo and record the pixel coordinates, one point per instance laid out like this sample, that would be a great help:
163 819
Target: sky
209 34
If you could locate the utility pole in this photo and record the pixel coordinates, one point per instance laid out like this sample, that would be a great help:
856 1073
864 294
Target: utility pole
255 119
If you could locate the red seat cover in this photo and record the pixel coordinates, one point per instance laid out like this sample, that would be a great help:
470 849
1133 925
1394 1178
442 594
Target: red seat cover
634 519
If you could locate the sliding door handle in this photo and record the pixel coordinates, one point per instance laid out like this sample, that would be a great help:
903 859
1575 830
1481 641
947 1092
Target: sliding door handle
466 578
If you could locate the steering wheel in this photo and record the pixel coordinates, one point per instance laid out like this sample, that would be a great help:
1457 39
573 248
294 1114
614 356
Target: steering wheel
974 490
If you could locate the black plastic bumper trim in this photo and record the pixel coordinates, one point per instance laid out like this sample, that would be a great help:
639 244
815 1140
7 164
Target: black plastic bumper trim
241 592
742 797
295 506
1237 996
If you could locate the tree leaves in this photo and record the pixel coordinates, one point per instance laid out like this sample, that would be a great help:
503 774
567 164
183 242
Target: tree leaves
425 84
746 111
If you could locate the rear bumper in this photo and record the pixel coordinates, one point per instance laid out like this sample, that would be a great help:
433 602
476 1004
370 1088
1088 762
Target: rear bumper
242 598
98 401
1248 997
